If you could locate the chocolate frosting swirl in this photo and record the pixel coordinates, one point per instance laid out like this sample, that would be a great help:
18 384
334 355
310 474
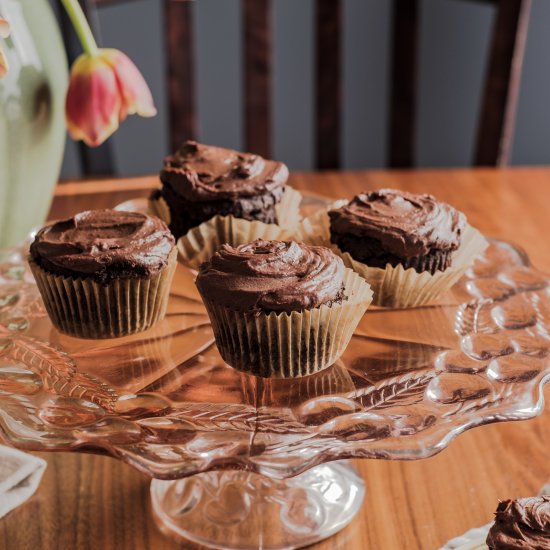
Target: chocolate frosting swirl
272 276
204 173
521 524
406 225
104 244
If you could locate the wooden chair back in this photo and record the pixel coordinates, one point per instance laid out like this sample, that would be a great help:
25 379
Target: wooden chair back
499 100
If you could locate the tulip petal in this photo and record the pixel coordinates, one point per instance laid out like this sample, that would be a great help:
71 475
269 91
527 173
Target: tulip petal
134 93
4 33
93 102
3 64
4 28
103 90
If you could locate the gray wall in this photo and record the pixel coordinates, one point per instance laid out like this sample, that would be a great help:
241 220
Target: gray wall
453 53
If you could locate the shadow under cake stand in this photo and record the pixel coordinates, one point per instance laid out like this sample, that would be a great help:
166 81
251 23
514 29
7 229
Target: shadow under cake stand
244 462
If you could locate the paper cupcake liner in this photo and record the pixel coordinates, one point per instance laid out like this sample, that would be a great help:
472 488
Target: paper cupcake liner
432 262
159 207
86 309
282 345
478 544
395 286
288 210
200 242
474 539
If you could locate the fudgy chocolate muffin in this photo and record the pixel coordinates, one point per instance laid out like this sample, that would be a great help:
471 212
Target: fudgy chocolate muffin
201 181
103 245
104 273
266 276
394 227
522 524
270 304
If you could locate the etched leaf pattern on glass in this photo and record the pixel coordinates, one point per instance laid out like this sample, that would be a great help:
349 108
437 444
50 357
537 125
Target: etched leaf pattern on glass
165 402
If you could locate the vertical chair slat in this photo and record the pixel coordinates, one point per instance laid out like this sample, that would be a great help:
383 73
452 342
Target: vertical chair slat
497 114
401 148
499 103
328 85
257 75
180 66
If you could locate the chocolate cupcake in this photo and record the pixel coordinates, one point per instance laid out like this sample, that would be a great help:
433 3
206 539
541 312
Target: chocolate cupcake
410 248
393 227
281 309
521 524
104 273
202 183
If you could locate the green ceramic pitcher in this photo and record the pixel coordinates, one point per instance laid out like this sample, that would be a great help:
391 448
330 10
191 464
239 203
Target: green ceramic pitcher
32 121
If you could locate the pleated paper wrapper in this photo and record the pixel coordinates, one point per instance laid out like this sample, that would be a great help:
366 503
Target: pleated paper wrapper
159 207
474 539
200 242
288 210
395 286
282 345
87 309
473 545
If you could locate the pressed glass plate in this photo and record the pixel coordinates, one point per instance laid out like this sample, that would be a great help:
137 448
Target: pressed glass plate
165 402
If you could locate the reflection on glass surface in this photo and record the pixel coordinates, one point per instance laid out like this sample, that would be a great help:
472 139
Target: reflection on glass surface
165 401
248 456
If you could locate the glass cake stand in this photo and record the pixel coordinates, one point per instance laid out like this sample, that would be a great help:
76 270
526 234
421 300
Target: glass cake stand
245 462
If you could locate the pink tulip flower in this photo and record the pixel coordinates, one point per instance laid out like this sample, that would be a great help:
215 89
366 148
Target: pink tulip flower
4 33
104 89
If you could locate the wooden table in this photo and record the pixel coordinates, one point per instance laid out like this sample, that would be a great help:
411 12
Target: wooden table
96 502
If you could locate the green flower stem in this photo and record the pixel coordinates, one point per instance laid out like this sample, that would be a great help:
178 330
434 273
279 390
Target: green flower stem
81 26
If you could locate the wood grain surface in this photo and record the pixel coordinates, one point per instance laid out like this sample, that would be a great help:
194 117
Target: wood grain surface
94 502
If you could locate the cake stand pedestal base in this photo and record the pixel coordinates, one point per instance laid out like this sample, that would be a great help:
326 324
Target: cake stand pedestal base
246 511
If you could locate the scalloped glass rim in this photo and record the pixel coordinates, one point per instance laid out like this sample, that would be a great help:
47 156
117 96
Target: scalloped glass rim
164 402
